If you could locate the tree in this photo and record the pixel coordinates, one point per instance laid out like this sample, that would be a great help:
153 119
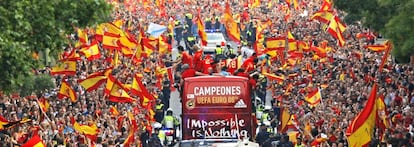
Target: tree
30 27
393 19
36 84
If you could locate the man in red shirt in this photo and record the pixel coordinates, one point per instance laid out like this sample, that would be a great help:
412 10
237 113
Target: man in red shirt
185 57
207 63
232 64
188 72
198 61
250 63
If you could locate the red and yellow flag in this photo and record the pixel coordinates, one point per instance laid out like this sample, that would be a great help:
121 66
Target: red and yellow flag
274 77
130 139
66 91
91 52
114 111
201 30
83 38
90 131
326 5
93 81
163 47
3 122
232 28
35 141
323 16
292 45
314 97
43 104
110 41
67 68
284 119
361 129
336 28
132 121
118 93
275 44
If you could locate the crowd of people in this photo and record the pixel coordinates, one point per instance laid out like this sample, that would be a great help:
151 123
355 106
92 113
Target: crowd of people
345 78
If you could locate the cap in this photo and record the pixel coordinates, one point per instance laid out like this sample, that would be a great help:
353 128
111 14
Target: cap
268 107
169 109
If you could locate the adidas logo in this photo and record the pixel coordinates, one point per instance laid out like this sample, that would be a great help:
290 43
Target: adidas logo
240 104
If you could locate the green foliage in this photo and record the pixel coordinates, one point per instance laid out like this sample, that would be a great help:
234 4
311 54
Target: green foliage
36 84
394 19
36 25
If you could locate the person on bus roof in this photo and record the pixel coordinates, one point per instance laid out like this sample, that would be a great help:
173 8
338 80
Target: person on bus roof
198 58
184 57
189 72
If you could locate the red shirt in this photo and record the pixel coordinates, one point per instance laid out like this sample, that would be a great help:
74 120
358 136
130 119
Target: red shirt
207 64
248 65
198 63
187 59
232 65
188 73
252 83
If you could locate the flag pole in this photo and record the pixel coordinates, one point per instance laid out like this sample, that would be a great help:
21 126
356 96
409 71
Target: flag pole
47 117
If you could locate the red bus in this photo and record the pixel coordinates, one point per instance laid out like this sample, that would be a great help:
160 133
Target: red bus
215 107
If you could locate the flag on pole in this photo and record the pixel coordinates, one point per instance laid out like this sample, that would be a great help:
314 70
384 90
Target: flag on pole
35 141
66 91
361 129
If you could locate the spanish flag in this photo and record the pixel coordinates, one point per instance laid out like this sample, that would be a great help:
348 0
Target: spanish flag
3 123
323 16
35 141
136 85
277 43
67 68
145 95
93 81
90 131
383 121
314 97
377 48
73 56
130 139
43 104
91 52
127 43
201 30
114 111
361 129
83 37
303 46
109 83
293 46
163 47
284 119
110 41
232 28
274 77
118 93
132 121
113 29
67 91
336 28
326 5
149 45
